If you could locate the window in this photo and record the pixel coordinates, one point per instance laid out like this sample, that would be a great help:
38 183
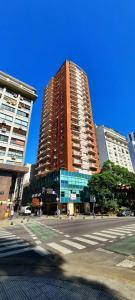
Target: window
6 118
21 123
62 194
6 107
15 153
22 113
17 142
3 138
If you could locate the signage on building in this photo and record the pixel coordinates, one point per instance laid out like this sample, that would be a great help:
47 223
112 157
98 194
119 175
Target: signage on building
73 196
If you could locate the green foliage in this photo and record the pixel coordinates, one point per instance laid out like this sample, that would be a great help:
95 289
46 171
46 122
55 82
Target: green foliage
111 186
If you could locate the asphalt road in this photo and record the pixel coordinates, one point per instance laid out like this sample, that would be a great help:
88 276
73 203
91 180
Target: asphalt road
75 227
70 254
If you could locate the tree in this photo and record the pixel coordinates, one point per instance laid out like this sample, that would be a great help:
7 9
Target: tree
111 186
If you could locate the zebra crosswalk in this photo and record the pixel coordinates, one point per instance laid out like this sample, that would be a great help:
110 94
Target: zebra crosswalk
11 245
92 240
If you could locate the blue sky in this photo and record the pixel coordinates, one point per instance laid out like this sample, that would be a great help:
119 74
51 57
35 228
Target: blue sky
37 36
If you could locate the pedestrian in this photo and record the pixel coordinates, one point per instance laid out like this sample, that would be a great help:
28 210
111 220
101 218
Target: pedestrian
11 213
58 212
68 213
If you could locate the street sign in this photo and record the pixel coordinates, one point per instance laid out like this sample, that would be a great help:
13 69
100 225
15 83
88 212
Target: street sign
92 199
35 202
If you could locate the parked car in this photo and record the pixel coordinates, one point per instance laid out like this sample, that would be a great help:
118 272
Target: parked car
25 211
124 213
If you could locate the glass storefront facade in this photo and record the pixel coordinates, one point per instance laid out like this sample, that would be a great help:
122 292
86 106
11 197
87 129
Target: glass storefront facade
73 187
59 188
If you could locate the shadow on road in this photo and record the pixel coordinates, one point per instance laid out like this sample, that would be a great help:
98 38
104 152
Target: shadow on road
30 276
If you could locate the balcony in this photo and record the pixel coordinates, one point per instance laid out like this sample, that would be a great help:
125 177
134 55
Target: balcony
92 158
93 167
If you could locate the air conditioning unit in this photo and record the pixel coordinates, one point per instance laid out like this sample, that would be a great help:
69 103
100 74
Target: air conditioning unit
3 129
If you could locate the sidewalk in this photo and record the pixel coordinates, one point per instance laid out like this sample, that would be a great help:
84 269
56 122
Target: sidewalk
25 219
14 221
40 288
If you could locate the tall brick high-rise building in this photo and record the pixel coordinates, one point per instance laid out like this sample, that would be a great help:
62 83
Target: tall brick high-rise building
67 134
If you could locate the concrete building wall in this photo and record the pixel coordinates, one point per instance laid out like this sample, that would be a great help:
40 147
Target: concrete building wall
131 146
114 147
67 133
5 184
101 144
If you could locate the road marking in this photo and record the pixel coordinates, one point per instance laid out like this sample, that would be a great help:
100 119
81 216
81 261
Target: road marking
40 250
5 233
121 230
95 237
7 236
38 242
67 235
103 250
106 235
60 248
16 252
8 239
73 244
111 231
85 241
13 246
129 228
126 263
11 242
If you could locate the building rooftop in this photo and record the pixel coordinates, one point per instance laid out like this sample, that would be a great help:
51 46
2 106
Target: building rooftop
18 86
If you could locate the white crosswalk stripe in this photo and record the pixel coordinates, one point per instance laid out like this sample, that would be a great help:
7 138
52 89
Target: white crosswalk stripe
7 236
13 246
10 242
122 230
112 231
18 251
85 241
132 226
111 236
73 244
96 237
129 228
5 233
59 248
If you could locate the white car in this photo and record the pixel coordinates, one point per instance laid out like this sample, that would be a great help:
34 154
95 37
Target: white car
25 211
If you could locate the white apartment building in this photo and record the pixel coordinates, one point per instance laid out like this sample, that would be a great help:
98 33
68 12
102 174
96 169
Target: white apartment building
113 146
16 100
131 146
